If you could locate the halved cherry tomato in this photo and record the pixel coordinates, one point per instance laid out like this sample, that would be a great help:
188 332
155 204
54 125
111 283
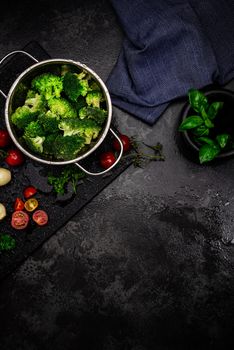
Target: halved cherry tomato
125 141
14 157
29 192
40 217
107 159
31 204
19 220
19 204
5 139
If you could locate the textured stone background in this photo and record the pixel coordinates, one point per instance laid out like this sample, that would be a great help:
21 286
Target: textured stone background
148 264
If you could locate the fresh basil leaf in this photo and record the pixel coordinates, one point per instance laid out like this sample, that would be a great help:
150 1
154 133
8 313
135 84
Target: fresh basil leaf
208 153
197 100
191 122
206 140
201 130
222 140
209 123
213 109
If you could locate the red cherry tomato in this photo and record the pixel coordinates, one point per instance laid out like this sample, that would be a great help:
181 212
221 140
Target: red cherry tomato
5 139
40 217
19 220
19 204
107 159
14 157
29 192
125 141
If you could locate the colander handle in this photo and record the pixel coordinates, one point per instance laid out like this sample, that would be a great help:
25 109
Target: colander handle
112 166
13 53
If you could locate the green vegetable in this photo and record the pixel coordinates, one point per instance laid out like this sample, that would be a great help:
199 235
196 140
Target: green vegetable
35 143
34 129
7 242
74 86
213 109
208 152
22 116
67 147
62 107
97 114
222 140
94 99
86 128
69 174
49 85
191 122
200 126
197 100
49 122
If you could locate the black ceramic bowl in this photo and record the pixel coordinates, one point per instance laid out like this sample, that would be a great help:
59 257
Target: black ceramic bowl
224 121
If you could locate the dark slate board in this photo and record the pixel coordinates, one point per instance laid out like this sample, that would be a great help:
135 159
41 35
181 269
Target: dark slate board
60 208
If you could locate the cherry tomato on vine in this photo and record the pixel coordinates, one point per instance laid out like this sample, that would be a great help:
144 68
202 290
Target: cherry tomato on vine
19 220
19 204
29 191
5 139
125 141
40 217
14 157
107 159
31 204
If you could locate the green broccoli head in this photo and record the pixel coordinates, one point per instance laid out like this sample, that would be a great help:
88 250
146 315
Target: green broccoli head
86 128
35 101
67 147
62 108
47 84
74 87
48 143
34 129
35 144
94 98
97 114
49 122
22 116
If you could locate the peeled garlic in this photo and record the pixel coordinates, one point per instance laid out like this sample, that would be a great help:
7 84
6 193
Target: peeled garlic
5 176
2 211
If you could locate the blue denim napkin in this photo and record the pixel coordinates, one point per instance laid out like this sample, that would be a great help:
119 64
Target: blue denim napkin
169 47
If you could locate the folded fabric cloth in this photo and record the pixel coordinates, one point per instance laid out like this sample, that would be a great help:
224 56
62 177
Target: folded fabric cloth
169 47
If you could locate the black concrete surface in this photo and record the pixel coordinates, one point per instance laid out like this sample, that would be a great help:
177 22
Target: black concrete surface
148 264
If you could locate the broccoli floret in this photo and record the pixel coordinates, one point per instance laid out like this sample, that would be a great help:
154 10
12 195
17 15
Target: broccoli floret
67 147
35 101
49 121
97 114
74 87
94 98
34 129
62 108
22 116
95 86
48 144
48 84
35 144
86 128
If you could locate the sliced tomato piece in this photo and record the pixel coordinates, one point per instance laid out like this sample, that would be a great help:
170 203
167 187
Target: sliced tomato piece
19 204
29 191
19 220
40 217
31 204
